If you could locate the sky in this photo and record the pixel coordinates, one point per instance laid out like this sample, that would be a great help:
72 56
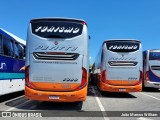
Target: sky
106 19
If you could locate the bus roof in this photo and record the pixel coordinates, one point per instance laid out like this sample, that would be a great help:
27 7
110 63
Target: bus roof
118 40
57 18
11 36
153 50
110 40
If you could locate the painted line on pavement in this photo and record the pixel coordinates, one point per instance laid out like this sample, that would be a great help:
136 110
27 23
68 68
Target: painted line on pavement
100 104
13 99
18 106
150 96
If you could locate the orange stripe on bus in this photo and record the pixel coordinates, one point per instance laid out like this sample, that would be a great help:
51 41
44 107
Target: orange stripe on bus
122 82
54 86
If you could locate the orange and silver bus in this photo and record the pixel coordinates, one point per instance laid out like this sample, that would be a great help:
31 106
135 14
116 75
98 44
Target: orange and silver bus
151 61
118 66
57 60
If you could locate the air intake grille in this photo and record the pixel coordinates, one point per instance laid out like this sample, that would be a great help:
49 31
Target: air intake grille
122 63
55 56
155 67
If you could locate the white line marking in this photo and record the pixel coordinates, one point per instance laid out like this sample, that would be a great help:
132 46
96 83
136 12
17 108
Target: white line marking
13 99
32 107
143 118
150 96
100 104
18 106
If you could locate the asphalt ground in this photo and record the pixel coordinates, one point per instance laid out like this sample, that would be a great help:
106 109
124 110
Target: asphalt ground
99 105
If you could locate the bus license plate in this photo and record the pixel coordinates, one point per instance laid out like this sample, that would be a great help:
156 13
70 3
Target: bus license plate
54 97
122 90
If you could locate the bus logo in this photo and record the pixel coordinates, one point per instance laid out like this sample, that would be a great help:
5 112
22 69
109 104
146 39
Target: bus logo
132 47
2 66
56 42
58 29
6 114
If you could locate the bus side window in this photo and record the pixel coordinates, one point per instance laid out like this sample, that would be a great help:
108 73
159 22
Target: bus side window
12 48
16 50
8 47
21 51
102 56
1 48
24 52
144 55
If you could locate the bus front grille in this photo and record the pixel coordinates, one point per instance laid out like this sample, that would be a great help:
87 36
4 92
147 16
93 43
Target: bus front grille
55 56
122 63
155 67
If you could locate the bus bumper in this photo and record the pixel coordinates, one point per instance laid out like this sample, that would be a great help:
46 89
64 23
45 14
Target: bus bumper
112 88
152 84
73 96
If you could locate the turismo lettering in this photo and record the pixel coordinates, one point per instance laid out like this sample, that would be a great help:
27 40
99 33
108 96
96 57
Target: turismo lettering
132 47
57 29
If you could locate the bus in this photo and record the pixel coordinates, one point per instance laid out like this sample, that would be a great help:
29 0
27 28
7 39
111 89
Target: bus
12 55
118 66
151 67
57 60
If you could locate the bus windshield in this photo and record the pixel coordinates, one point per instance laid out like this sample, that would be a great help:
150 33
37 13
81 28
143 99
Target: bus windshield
154 56
56 29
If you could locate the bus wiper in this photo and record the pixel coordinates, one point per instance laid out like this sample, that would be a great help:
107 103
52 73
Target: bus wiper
54 36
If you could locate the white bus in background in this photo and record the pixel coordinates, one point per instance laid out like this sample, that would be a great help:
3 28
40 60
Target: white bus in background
12 55
151 61
118 66
57 60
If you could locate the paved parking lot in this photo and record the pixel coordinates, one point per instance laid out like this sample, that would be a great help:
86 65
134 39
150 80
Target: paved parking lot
99 105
